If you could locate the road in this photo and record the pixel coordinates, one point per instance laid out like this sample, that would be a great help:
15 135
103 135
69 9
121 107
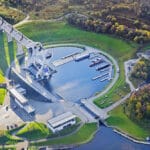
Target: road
132 88
127 73
119 102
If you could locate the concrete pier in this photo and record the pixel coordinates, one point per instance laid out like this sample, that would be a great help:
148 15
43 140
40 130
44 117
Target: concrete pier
75 57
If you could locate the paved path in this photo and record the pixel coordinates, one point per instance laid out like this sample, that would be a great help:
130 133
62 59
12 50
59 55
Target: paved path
119 102
132 88
26 19
126 65
102 114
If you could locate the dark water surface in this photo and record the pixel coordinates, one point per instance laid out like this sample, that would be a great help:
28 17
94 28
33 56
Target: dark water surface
106 139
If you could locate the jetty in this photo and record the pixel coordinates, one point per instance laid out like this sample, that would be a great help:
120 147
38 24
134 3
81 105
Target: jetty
102 75
103 66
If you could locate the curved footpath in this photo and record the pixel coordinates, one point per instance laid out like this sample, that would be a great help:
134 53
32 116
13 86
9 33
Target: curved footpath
26 19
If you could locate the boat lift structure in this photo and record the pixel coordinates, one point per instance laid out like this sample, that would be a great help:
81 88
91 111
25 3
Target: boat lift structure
35 57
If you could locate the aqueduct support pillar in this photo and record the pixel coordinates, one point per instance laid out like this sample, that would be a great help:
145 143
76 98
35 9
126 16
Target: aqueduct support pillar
9 38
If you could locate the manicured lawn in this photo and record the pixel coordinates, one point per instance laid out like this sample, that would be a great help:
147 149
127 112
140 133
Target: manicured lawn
119 90
33 131
120 121
51 33
83 135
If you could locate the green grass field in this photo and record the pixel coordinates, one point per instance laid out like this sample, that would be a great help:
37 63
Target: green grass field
83 135
7 55
33 131
120 121
2 91
52 33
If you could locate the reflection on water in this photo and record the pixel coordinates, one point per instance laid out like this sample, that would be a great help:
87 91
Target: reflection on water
73 80
106 139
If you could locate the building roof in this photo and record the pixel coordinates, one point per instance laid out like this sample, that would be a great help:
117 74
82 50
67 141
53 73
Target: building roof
29 109
21 90
61 119
18 96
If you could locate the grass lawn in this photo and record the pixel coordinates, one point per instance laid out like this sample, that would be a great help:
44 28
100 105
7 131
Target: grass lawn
6 138
2 95
119 90
33 131
120 121
83 135
51 33
2 90
2 78
7 55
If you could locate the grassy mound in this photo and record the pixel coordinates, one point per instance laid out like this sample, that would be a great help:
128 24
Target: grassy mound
119 120
6 138
83 135
33 131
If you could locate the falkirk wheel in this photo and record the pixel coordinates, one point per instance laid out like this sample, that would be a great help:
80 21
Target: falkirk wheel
35 58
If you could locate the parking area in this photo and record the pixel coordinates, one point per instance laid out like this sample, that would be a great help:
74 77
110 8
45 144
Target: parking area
8 118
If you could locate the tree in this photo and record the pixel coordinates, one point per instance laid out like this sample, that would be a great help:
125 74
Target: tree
137 106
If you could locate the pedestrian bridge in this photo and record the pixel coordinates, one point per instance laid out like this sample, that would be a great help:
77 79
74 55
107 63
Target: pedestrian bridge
101 114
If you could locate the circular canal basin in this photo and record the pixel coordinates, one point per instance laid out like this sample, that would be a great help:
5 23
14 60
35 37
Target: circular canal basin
79 79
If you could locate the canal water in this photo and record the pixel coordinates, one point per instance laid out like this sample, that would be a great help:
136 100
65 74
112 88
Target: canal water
107 139
73 80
